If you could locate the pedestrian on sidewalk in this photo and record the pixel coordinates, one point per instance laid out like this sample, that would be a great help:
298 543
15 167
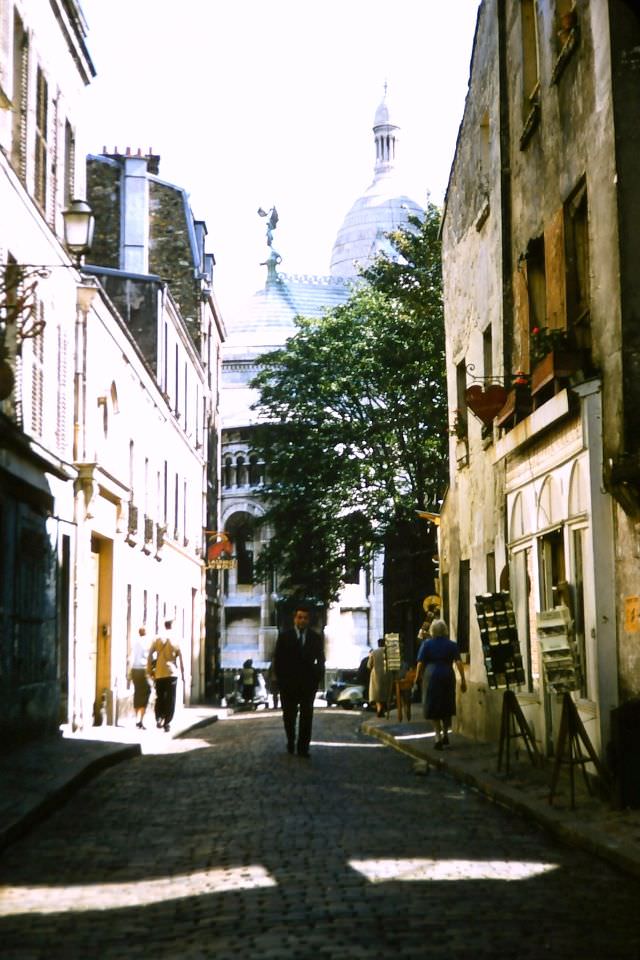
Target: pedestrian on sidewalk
139 674
164 659
379 678
439 653
299 666
248 677
273 687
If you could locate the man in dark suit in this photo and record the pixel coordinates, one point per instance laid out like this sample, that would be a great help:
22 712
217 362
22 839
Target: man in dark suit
299 666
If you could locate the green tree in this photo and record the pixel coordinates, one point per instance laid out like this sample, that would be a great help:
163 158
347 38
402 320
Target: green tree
353 419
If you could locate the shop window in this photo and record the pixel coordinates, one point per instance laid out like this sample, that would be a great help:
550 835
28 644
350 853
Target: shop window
525 612
551 568
577 609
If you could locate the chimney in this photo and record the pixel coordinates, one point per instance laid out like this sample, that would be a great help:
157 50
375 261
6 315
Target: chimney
134 240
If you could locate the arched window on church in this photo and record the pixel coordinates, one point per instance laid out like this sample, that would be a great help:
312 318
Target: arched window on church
241 472
228 472
240 528
255 471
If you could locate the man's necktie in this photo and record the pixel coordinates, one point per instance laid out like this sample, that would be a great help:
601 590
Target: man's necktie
301 636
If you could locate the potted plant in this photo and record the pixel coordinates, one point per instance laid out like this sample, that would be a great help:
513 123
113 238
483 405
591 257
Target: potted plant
518 402
459 426
554 356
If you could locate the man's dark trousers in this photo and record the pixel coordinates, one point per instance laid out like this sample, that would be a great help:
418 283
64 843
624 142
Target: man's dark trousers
165 698
294 700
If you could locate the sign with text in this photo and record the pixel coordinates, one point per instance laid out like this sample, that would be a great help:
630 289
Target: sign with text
392 651
219 551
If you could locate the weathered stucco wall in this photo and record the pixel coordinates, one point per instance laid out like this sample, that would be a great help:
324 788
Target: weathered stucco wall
472 521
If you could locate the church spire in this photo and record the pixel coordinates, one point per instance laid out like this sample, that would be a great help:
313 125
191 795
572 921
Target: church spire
385 137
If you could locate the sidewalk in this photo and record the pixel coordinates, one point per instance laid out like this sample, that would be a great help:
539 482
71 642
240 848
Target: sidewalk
613 835
38 777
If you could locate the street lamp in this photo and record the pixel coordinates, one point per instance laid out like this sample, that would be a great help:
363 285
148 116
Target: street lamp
79 223
20 318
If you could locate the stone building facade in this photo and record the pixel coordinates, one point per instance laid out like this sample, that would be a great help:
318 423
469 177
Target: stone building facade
543 498
108 398
154 423
44 70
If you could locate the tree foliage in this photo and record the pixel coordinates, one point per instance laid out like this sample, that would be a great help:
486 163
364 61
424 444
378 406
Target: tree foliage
353 417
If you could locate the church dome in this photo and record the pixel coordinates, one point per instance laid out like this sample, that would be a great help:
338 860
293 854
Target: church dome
382 208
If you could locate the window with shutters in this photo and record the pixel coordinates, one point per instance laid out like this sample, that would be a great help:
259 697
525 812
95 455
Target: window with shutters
530 70
62 433
536 283
37 377
461 424
20 86
576 236
464 594
42 145
69 163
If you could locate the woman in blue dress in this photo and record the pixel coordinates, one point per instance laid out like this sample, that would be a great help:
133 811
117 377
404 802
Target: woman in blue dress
437 655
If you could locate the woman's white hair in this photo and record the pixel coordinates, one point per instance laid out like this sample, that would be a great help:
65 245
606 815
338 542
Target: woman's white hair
439 629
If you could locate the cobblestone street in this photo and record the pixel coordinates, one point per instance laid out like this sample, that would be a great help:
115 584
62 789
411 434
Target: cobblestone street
225 846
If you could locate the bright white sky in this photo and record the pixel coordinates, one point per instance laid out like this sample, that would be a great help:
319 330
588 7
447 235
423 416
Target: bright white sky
253 103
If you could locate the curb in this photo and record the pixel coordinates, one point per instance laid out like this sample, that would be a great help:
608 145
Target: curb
585 838
59 795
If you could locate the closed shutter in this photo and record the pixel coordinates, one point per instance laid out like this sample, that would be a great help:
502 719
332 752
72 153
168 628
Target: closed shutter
37 378
555 272
62 432
41 186
20 98
521 309
5 53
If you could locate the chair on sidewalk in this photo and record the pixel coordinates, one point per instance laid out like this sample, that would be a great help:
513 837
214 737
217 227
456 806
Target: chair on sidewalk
404 687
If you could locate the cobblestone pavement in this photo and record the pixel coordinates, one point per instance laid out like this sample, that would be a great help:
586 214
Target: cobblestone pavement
228 847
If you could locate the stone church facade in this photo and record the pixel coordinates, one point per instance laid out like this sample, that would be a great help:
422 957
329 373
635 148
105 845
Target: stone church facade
250 612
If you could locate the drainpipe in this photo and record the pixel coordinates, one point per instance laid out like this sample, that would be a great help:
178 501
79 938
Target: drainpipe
505 216
85 294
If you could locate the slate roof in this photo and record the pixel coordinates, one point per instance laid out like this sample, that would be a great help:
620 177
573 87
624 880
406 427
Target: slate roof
267 320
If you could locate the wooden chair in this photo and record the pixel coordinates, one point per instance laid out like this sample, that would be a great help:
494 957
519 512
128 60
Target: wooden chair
403 693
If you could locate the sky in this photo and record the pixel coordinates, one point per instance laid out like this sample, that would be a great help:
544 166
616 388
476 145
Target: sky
254 104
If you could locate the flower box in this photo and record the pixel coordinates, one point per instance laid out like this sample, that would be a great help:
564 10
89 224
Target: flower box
516 407
557 365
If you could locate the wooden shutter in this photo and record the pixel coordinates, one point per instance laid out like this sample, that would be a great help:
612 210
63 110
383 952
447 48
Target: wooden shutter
62 432
555 271
37 379
521 317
